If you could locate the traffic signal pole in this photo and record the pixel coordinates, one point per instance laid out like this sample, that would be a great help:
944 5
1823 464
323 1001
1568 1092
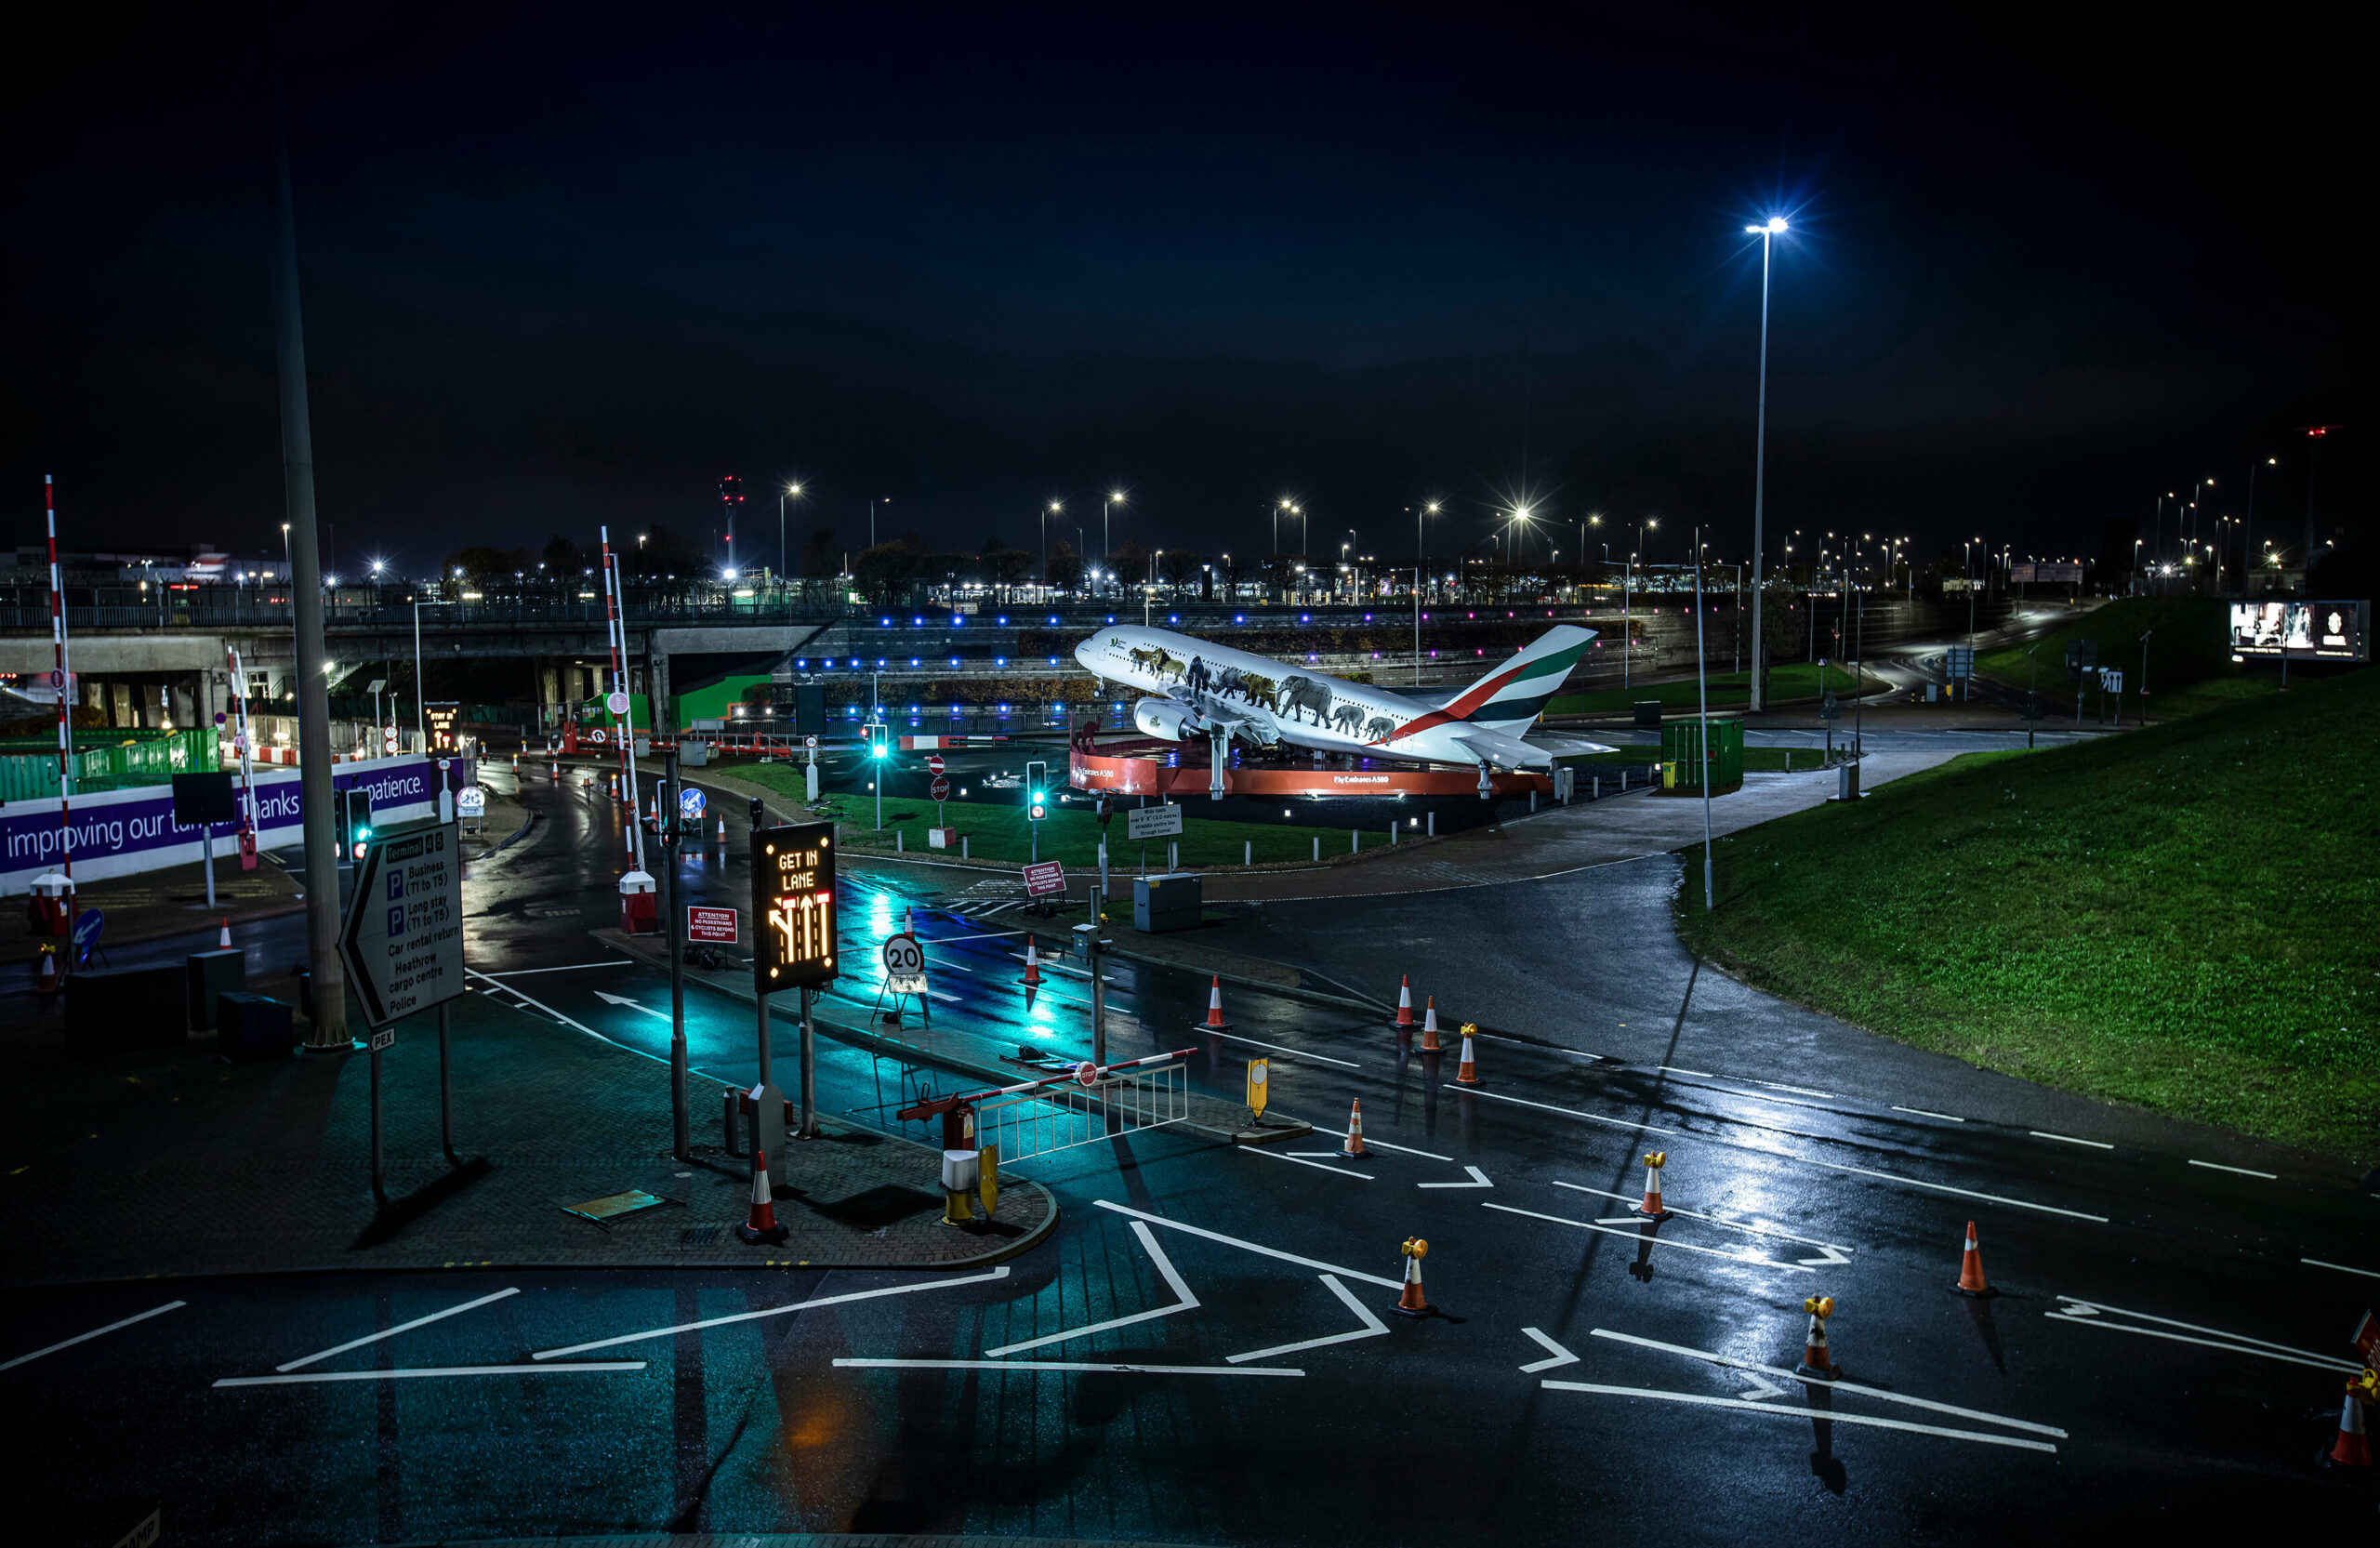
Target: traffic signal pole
680 1122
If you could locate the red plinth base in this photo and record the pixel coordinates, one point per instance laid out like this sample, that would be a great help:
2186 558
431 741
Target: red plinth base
1179 772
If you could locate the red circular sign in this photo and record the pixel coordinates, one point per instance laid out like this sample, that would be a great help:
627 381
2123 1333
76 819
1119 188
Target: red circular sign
596 735
1086 1073
934 763
942 790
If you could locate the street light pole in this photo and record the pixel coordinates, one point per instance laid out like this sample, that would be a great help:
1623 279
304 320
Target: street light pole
1767 232
781 570
1703 695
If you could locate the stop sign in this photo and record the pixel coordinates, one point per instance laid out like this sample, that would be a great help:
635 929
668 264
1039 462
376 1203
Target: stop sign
941 789
934 763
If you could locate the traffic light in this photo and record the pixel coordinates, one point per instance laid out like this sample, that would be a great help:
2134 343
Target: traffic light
1037 790
880 740
351 822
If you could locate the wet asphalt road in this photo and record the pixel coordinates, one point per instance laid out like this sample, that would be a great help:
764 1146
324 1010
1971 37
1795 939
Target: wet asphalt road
2163 1356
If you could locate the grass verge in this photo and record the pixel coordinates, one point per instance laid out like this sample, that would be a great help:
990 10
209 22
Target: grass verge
1787 681
997 832
2182 918
2188 653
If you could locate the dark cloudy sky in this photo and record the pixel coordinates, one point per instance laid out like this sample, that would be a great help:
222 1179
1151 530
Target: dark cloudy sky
566 266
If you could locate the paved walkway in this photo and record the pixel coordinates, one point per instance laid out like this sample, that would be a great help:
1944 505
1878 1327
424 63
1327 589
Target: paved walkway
173 1163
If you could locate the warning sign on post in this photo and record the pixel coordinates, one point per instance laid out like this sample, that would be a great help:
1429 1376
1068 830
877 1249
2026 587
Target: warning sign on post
711 924
1045 879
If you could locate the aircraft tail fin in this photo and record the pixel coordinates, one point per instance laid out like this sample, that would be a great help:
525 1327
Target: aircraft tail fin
1514 695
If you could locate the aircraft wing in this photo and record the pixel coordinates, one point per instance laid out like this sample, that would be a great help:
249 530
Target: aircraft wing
1567 747
1510 752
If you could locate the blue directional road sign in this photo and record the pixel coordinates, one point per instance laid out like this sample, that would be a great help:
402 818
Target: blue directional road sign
86 933
690 804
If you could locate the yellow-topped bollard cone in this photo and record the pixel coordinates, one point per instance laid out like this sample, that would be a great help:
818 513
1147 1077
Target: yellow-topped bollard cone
1816 1360
1409 1302
1651 1209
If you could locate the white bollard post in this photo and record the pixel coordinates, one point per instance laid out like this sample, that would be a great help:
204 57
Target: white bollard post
1433 825
1173 856
962 845
1594 788
1354 840
1392 835
1248 853
1532 801
1317 846
899 842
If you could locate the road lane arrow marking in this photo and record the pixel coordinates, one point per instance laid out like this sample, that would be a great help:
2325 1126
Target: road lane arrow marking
1257 1247
1759 1388
1746 1405
1637 1234
1187 1302
1478 1180
623 1000
2088 1313
1833 1250
1372 1326
1833 1255
999 1273
1561 1356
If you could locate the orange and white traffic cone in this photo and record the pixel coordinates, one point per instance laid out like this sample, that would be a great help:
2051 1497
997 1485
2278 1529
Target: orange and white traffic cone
1404 1001
1409 1302
2353 1448
1355 1146
1032 978
722 831
1214 1022
48 984
1814 1358
1651 1209
761 1225
1466 1073
1430 1027
1971 1279
223 936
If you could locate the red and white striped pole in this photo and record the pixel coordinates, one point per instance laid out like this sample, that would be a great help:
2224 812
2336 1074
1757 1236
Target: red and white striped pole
615 634
63 684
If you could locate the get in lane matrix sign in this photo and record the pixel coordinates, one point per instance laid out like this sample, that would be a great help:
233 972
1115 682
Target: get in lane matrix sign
793 906
402 940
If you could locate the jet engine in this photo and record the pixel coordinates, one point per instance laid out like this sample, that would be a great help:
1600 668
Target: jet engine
1174 722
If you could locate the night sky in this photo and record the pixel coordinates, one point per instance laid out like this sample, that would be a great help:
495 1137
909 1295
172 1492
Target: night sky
567 267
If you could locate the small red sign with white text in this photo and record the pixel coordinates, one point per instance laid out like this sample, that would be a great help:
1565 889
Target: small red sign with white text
1042 879
711 924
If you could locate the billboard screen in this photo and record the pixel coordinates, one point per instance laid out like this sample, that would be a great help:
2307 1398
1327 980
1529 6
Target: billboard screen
2302 631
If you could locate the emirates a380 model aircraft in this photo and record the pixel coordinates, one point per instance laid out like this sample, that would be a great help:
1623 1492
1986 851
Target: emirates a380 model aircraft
1205 690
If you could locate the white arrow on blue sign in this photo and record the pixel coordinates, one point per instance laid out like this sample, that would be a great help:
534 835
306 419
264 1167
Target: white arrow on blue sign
690 803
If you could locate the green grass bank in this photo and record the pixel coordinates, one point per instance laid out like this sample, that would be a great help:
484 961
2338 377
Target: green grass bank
2182 918
2188 657
1787 681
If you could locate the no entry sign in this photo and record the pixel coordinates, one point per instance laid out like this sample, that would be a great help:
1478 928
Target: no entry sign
711 924
935 763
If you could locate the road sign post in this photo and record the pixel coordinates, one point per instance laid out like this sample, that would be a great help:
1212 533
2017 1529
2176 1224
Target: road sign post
401 944
680 1118
794 942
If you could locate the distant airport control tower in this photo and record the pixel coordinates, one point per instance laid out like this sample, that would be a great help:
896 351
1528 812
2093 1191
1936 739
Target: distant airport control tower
731 495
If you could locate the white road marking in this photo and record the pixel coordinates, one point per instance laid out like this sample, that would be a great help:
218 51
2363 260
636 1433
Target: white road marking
1373 1326
574 967
1293 1052
623 1000
1745 1405
1760 1388
1698 1073
1945 1187
1921 1112
1478 1180
2244 1172
2318 1263
403 1327
1857 1389
999 1273
1341 1172
1572 1112
316 1376
1833 1250
1637 1235
573 1025
1185 1301
1561 1356
2068 1139
80 1338
2086 1314
1072 1365
1257 1247
1797 1090
1401 1149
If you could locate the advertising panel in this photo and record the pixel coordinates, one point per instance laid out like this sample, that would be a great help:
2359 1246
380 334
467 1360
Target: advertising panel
2302 631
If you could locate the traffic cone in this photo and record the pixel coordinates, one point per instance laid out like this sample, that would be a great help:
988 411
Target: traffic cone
722 831
223 936
1409 1302
1355 1146
1430 1027
48 984
2353 1448
1651 1209
1466 1073
1404 1001
1814 1362
761 1224
1971 1280
1032 978
1215 1022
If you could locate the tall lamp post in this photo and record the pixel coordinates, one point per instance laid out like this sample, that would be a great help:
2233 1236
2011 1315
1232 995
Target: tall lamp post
2248 524
1047 511
1106 533
1767 232
793 490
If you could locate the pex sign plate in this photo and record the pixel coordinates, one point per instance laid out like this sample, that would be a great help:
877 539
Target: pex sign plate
403 939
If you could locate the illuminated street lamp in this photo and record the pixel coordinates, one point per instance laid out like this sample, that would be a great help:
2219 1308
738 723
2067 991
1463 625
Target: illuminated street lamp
1767 232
